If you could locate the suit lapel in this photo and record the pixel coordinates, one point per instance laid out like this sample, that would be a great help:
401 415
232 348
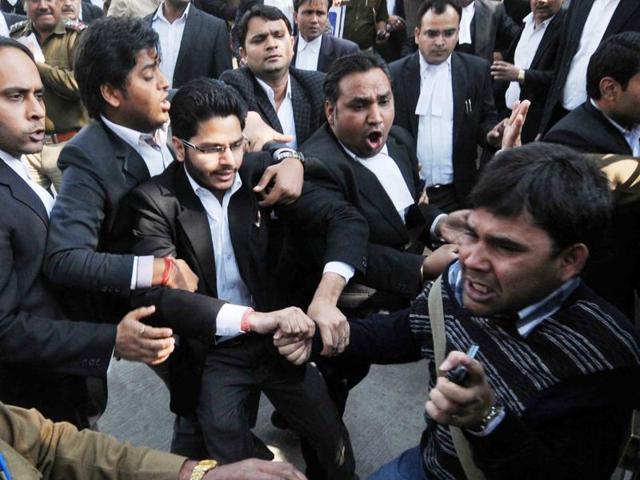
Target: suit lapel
412 88
187 44
619 143
132 163
459 87
326 52
399 156
21 191
550 33
194 223
301 109
583 7
265 106
242 213
625 10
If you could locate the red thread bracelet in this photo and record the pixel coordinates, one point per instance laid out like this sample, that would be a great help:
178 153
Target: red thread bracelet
244 323
166 273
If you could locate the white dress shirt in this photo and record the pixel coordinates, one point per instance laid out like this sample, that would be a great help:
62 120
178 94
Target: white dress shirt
229 283
18 165
170 39
4 28
631 136
575 88
390 177
468 13
285 6
308 53
525 51
156 156
285 112
435 123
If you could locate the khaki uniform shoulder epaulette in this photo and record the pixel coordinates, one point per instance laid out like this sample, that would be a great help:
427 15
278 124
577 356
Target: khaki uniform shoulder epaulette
74 25
17 26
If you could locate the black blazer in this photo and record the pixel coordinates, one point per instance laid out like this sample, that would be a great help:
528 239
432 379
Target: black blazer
588 130
330 49
491 28
12 18
625 18
389 267
43 356
471 81
307 98
204 49
90 12
8 8
537 78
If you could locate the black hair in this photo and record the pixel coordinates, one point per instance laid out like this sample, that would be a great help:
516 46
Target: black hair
202 99
617 57
265 12
358 62
565 193
298 3
6 42
439 7
106 54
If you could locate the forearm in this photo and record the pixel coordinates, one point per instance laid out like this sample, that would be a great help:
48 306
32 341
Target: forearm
329 289
59 80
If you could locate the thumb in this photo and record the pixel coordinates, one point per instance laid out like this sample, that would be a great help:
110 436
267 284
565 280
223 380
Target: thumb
142 312
266 178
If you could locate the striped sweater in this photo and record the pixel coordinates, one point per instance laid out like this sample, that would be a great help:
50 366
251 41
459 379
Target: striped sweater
567 388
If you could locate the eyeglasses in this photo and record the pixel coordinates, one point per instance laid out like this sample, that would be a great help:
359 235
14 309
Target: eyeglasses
217 149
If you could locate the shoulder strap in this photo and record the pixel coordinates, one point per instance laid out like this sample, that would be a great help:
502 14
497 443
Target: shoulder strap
436 317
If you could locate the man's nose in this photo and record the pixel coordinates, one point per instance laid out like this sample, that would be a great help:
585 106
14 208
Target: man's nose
374 115
473 257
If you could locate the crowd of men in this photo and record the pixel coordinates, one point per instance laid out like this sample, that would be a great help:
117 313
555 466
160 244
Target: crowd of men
247 203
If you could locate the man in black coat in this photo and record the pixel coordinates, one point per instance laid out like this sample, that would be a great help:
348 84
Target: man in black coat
587 24
314 48
609 122
46 359
453 93
201 51
526 72
288 100
12 18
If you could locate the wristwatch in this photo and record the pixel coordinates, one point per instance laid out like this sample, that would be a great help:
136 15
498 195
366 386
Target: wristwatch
521 76
281 151
493 412
202 468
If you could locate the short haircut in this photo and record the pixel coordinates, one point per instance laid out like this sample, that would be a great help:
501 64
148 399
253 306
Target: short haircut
298 3
6 42
439 7
617 57
200 100
565 193
106 54
358 62
266 12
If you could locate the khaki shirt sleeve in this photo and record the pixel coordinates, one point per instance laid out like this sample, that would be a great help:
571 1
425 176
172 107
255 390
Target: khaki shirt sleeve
59 80
59 450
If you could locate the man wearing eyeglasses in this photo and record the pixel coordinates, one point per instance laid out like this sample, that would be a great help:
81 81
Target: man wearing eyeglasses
201 210
444 99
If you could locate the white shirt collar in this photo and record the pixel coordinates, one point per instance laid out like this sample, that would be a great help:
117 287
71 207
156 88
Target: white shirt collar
133 137
355 157
530 20
424 65
634 130
160 14
314 45
198 189
271 94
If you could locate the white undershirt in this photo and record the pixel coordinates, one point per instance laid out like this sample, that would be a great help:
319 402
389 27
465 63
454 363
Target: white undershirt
575 88
170 39
19 166
434 146
285 112
308 53
468 13
525 51
4 28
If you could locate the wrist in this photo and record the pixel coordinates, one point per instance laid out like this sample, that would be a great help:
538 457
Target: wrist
329 289
247 322
520 77
187 469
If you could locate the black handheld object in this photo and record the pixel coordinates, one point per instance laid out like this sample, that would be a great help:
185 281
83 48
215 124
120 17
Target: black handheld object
459 374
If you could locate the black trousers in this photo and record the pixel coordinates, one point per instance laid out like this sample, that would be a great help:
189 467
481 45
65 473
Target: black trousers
236 368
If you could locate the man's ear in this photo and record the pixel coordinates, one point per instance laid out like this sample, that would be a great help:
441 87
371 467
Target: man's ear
572 260
609 88
416 36
329 111
113 96
178 148
243 54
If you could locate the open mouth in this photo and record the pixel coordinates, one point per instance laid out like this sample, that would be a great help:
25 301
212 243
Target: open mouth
224 176
478 292
37 136
375 140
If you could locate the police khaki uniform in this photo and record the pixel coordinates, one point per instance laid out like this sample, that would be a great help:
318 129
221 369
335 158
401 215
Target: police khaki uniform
65 113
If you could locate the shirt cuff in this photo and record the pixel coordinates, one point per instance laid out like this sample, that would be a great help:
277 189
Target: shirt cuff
229 318
491 426
142 276
345 270
432 231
